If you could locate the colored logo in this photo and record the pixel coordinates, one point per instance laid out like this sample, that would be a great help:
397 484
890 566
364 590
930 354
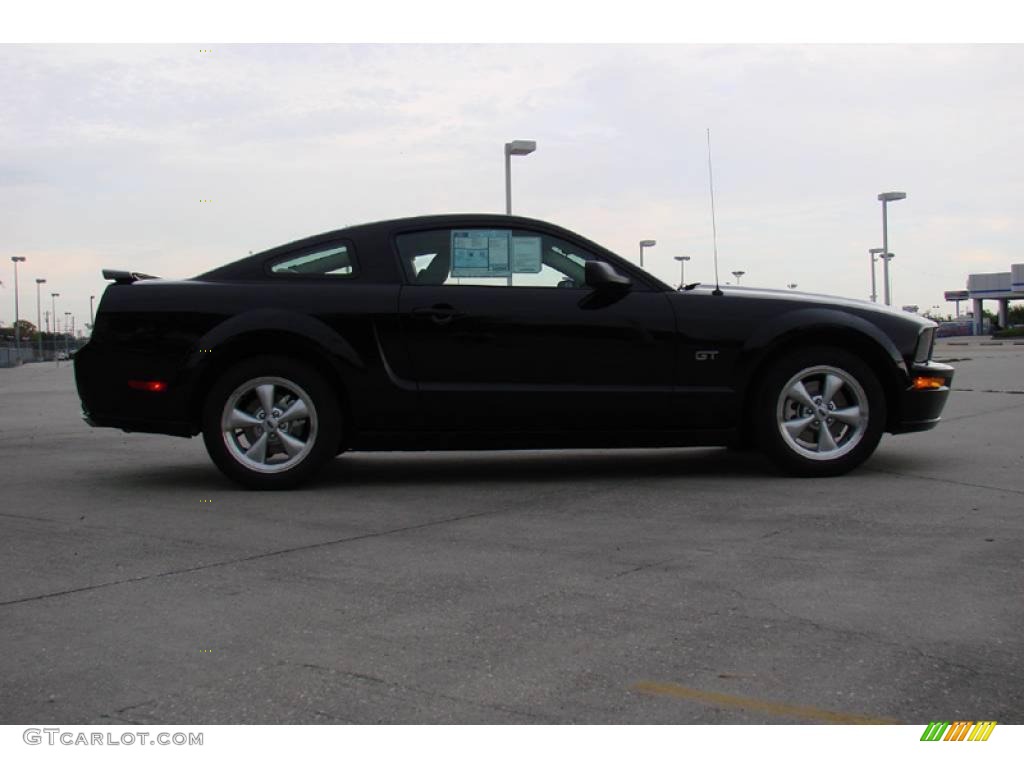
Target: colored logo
961 730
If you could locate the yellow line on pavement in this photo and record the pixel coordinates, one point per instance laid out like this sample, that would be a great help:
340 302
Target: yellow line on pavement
743 702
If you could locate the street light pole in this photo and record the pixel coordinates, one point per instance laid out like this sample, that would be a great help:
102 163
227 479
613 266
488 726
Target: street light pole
67 322
17 334
517 147
39 316
53 314
645 244
887 288
92 320
738 274
873 252
682 266
886 198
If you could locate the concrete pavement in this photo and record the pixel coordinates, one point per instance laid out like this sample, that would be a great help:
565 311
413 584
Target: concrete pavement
679 586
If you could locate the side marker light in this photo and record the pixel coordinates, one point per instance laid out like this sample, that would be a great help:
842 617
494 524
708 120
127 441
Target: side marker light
147 386
928 382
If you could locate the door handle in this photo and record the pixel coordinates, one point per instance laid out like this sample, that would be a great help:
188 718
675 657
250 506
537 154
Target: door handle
442 314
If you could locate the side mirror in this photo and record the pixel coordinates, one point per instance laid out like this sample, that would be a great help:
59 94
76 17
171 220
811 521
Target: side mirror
601 276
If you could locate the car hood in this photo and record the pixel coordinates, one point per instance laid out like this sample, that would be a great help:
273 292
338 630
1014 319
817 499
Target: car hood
860 306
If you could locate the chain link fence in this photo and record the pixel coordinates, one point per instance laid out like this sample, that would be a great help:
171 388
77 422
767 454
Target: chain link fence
52 349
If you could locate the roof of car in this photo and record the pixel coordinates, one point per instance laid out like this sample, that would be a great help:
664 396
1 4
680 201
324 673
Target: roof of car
253 264
426 222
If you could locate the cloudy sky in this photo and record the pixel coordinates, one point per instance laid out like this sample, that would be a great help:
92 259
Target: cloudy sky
108 151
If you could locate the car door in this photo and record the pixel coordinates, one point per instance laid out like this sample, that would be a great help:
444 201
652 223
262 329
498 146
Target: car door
504 334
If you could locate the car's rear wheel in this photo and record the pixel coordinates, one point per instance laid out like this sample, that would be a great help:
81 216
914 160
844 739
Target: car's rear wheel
820 412
270 423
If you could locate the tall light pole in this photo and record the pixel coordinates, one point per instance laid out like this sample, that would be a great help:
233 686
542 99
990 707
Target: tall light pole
92 321
873 252
738 274
67 324
53 315
682 266
17 334
39 316
886 198
518 147
645 244
887 288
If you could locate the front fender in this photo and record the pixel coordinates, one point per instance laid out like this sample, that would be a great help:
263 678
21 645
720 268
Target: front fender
819 325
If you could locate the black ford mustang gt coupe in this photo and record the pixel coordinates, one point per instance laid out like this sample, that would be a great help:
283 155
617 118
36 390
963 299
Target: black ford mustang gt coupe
486 332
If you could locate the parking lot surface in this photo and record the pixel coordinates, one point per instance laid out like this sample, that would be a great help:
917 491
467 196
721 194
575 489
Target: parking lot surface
648 586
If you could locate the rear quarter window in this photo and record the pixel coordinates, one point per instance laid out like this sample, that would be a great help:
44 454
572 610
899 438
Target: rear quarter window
333 260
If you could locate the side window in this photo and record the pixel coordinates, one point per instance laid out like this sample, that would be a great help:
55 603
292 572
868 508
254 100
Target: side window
330 260
494 257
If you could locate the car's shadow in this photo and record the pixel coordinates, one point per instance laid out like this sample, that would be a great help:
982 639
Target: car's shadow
363 470
354 470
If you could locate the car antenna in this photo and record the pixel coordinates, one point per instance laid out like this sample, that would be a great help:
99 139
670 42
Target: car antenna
714 231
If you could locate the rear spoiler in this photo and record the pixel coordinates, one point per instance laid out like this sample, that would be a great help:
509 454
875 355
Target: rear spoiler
121 277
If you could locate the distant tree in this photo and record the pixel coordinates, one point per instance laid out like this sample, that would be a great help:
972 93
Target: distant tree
26 329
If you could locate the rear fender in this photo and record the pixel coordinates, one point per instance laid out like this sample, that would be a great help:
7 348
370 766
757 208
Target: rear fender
275 320
208 352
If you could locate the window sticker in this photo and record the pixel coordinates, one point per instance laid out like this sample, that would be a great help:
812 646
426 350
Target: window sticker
526 255
480 253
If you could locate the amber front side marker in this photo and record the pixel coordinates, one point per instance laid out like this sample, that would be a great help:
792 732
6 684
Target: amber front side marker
928 382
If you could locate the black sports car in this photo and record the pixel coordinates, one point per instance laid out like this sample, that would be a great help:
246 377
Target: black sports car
484 331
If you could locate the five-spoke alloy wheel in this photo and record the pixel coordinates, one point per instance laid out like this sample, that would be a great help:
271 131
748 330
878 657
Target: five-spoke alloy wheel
821 411
269 423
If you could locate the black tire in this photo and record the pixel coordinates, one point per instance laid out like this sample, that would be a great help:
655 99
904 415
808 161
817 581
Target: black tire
294 448
852 435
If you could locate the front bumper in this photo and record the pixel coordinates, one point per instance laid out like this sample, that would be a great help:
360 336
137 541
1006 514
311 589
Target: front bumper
921 409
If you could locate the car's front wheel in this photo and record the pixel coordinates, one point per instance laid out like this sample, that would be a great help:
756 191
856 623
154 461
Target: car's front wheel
821 412
270 423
